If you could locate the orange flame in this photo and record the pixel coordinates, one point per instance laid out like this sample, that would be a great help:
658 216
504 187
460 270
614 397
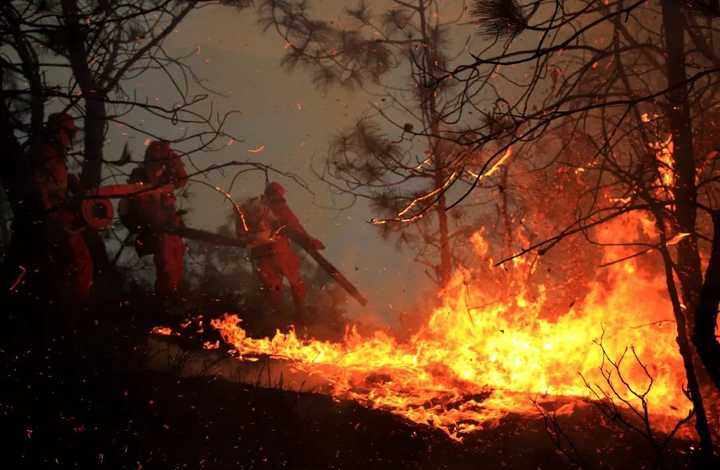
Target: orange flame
484 353
162 331
664 154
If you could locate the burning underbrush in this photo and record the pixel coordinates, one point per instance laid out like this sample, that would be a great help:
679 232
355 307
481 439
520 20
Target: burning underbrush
489 349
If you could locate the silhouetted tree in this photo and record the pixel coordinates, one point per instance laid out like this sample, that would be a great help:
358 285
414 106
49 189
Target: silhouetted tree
637 82
82 55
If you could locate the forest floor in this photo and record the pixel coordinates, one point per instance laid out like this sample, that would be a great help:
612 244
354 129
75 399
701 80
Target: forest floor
90 403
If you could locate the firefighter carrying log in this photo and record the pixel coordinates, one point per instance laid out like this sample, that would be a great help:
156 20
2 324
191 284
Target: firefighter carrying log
267 227
68 260
152 214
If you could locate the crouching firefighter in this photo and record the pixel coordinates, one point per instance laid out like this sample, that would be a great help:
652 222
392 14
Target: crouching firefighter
152 214
67 258
268 226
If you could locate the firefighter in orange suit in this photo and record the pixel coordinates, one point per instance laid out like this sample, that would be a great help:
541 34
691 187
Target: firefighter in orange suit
69 260
267 227
155 211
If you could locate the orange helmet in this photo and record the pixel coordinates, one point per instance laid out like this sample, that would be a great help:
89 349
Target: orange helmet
274 191
61 122
158 151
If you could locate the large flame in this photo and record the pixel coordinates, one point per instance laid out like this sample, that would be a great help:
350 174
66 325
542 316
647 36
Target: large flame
488 351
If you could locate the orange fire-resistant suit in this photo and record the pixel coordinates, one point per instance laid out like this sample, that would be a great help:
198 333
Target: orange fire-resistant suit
156 211
68 260
269 224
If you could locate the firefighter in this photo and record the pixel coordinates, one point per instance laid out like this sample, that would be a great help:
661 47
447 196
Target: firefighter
153 212
68 258
267 227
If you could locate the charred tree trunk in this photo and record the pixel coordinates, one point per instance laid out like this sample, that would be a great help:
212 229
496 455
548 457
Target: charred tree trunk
94 124
706 315
428 96
683 156
92 93
701 421
685 193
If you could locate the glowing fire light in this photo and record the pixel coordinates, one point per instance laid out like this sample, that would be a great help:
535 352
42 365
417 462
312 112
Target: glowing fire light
495 167
484 354
664 154
162 331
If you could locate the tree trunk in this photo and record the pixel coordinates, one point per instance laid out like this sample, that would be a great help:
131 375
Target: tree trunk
94 123
685 193
445 267
687 354
428 104
438 149
703 335
92 93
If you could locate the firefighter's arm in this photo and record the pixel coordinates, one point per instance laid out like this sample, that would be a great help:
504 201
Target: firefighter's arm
292 224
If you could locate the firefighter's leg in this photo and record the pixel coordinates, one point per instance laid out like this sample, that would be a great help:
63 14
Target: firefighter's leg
72 269
271 280
69 256
80 267
291 270
168 258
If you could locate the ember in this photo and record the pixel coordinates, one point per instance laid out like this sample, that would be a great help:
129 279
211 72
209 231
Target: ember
162 331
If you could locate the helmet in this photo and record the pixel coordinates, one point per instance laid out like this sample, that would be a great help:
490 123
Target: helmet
274 191
61 122
138 175
159 150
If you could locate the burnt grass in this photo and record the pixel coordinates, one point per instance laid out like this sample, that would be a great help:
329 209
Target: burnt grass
85 401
